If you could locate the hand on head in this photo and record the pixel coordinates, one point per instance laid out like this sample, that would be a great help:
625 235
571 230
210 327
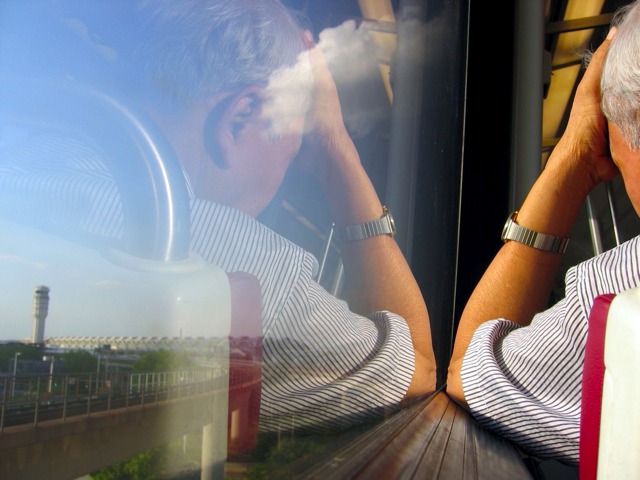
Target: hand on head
586 135
326 136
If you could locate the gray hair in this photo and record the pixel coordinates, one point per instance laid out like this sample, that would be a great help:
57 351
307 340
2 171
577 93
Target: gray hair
193 49
620 80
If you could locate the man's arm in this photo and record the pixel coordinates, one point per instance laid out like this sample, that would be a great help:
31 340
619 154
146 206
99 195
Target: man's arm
377 276
518 282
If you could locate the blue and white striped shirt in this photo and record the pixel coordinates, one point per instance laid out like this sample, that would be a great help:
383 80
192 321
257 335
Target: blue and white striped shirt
325 367
525 382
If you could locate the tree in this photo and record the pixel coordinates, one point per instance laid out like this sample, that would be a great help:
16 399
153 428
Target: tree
165 461
144 466
27 352
161 361
79 361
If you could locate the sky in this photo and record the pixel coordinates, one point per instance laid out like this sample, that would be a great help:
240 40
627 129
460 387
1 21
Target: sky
106 293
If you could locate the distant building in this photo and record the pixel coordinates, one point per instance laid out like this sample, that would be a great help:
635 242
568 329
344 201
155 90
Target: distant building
40 312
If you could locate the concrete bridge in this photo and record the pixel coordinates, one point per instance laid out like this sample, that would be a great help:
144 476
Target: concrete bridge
68 436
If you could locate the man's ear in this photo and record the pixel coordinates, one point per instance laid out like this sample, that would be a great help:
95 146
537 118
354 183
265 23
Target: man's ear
227 121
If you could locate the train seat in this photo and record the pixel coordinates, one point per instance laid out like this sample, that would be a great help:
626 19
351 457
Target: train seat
610 423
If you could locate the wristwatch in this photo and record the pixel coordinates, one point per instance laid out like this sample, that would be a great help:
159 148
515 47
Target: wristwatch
531 238
352 233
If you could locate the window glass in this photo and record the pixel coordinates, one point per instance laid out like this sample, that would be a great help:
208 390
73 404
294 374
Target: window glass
133 298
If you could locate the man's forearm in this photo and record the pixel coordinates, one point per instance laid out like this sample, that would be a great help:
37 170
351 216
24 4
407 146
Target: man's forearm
377 276
518 282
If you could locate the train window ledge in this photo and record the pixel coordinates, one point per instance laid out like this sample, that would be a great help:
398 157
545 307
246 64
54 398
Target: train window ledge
433 438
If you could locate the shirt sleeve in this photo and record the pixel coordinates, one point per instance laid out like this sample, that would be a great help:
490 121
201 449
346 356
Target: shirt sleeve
525 382
327 368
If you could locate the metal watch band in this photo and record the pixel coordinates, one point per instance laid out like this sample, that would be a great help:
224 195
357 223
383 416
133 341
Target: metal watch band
518 233
384 225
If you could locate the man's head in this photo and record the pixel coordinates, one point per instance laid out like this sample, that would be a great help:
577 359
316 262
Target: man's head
230 88
620 87
620 81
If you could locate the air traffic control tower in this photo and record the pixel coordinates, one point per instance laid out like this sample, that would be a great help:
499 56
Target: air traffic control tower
40 311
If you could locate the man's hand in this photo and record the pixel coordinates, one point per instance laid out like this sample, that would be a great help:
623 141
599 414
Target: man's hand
586 136
326 141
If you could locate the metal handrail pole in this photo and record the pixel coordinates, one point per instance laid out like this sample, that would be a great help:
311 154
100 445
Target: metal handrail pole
614 217
325 255
594 227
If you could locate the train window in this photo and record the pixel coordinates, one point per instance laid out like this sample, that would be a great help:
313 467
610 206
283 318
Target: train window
129 335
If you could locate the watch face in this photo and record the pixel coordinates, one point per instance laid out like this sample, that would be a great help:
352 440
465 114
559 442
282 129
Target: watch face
505 229
392 224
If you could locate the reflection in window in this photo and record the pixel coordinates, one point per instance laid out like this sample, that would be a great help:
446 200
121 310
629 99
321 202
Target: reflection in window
129 331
